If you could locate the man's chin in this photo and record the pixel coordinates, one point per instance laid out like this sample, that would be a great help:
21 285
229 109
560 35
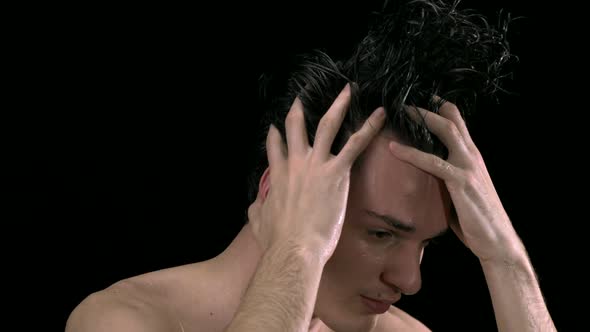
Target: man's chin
350 323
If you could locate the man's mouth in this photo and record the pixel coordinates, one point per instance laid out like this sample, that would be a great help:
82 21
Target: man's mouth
376 306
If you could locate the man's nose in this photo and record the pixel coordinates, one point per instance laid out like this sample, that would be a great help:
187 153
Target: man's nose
402 270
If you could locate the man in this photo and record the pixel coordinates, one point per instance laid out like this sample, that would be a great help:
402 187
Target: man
368 161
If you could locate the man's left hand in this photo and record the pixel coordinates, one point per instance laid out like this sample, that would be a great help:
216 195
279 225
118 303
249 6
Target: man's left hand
483 225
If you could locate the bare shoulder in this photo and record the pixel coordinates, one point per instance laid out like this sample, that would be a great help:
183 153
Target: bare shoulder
119 308
399 320
172 299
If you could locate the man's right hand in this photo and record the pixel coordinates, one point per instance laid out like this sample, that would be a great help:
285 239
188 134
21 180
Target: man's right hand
308 190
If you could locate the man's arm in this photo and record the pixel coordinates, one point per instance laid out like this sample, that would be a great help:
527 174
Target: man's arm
298 215
282 293
516 296
481 222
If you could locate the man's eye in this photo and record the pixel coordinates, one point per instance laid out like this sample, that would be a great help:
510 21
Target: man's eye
380 234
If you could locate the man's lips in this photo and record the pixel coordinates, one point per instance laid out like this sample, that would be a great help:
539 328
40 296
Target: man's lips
377 306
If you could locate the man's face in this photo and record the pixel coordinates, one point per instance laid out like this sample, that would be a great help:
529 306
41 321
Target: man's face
393 210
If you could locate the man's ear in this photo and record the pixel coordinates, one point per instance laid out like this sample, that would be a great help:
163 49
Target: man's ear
264 185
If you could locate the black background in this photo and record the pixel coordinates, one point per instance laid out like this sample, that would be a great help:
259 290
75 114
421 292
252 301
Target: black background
144 133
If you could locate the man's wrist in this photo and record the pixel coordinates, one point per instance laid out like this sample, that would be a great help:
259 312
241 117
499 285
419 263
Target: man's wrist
508 249
302 252
514 260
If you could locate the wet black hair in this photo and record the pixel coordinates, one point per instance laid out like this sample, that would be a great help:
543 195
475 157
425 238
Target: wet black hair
413 50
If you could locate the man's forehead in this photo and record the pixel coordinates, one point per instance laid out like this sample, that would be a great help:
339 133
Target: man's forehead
377 157
388 184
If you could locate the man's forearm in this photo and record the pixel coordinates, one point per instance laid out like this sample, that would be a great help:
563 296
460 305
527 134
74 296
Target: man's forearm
282 293
516 296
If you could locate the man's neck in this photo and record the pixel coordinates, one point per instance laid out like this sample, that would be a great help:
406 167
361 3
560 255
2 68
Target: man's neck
238 263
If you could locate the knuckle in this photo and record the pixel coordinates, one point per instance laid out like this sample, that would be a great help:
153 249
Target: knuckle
468 180
326 123
458 182
438 163
451 128
369 126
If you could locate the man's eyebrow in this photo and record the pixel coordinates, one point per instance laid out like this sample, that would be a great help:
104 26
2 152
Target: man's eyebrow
401 225
393 222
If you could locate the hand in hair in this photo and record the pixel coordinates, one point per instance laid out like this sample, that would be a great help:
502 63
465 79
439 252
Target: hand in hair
482 223
303 194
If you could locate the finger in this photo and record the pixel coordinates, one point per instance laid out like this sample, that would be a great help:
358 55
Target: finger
275 149
330 124
297 142
443 128
425 161
451 112
358 142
